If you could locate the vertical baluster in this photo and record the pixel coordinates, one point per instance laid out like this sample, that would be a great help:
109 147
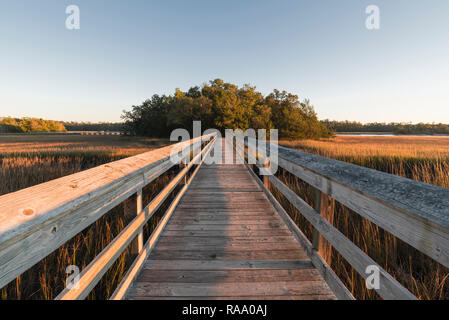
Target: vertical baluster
132 207
317 206
325 206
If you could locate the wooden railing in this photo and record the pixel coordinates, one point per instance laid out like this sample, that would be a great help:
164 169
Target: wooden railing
414 212
38 220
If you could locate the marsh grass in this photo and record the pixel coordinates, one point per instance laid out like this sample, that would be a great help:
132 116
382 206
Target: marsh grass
423 159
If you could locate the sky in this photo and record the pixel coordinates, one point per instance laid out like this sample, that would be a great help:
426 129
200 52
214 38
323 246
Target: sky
126 51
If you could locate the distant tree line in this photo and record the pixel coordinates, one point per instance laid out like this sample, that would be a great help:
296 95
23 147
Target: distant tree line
222 105
98 126
393 127
16 125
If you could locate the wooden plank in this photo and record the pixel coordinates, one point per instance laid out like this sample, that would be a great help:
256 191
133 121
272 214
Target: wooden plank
228 246
225 196
271 222
230 218
223 228
227 233
244 206
219 241
226 264
280 288
228 276
224 215
217 254
227 211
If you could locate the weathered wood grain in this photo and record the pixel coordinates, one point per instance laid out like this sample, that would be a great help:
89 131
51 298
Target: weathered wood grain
243 289
226 264
229 254
224 228
227 233
229 276
221 241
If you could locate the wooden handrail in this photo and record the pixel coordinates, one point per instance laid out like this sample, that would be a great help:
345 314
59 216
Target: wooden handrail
36 221
415 212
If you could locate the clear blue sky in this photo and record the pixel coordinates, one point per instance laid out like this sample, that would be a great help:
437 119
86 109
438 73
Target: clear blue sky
126 51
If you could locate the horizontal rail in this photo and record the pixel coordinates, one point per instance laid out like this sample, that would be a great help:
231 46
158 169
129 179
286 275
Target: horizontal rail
90 276
415 212
36 221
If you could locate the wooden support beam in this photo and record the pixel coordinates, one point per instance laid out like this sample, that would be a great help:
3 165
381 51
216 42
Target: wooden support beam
132 207
325 206
266 181
327 209
317 207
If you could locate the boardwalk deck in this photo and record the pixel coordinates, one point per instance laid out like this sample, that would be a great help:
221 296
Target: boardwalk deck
225 240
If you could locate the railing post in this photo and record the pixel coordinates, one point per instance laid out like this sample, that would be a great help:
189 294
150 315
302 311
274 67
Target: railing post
317 206
325 206
266 181
327 212
182 165
139 239
132 207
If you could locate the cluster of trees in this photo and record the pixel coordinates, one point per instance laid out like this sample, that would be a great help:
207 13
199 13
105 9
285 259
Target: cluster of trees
222 105
393 127
15 125
353 126
422 128
90 126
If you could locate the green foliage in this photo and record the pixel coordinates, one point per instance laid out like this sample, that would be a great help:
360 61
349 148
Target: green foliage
222 105
393 127
14 125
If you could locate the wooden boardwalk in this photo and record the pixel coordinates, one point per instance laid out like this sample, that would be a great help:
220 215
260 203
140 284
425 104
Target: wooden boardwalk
225 240
224 235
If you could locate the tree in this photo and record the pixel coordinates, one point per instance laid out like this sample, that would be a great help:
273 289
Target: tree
222 105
